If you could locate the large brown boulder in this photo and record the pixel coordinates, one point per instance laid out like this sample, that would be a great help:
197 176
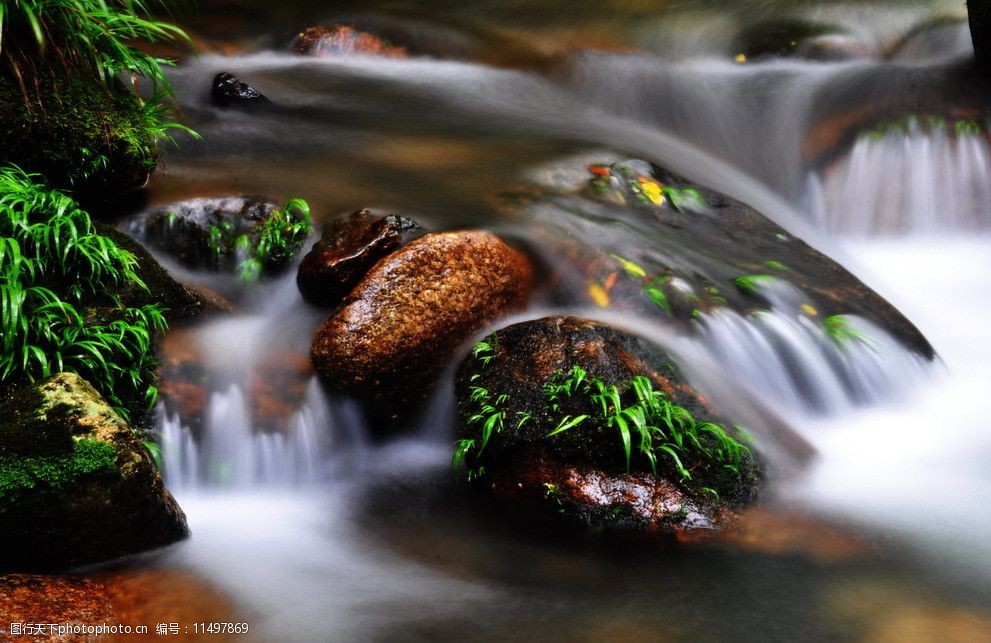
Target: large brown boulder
525 382
400 326
77 486
347 249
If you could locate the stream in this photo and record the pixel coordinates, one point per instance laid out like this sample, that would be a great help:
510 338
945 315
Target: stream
321 533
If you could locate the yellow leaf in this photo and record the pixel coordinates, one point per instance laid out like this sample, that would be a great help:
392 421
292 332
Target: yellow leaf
809 310
598 295
651 190
740 58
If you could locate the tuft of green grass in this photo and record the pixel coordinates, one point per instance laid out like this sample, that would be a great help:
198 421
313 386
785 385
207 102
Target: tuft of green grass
52 264
753 283
85 35
776 265
647 422
270 245
685 199
841 332
661 427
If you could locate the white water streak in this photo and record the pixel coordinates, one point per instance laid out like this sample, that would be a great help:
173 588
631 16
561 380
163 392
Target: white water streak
921 180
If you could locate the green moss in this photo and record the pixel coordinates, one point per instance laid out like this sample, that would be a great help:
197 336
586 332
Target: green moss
41 477
78 132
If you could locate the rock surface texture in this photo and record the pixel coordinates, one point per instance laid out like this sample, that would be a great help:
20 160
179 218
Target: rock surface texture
403 322
347 249
76 484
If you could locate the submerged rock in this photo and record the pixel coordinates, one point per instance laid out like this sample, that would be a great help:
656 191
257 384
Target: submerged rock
538 404
230 91
401 324
76 484
220 233
348 248
343 40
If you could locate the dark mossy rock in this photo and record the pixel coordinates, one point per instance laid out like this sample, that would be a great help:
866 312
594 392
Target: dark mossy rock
347 249
230 91
785 38
80 134
182 303
396 331
76 484
580 475
344 40
204 233
677 250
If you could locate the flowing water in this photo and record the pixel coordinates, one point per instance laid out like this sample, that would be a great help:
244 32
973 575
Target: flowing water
317 533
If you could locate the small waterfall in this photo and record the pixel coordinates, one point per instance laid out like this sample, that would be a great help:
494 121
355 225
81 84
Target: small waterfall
232 454
792 355
790 358
923 177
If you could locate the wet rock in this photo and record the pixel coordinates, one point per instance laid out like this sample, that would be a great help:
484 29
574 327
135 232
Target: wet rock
344 40
580 475
402 323
230 91
76 484
679 251
348 248
75 600
217 233
125 596
954 90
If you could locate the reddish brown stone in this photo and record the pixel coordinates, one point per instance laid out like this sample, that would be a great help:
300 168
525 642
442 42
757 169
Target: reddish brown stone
539 487
140 597
348 248
402 323
343 40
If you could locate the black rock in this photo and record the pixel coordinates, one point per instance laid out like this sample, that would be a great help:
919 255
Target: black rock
230 91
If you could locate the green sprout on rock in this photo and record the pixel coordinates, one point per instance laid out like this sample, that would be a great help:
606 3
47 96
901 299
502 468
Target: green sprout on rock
841 332
753 283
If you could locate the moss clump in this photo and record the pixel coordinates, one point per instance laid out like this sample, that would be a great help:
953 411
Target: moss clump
42 477
81 134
